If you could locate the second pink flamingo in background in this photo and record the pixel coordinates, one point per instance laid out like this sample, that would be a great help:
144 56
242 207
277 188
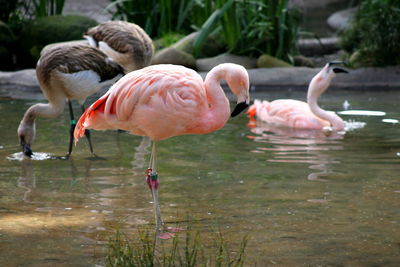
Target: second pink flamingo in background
298 114
162 101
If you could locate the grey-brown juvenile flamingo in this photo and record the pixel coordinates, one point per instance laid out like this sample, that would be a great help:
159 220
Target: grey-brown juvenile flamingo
126 43
66 72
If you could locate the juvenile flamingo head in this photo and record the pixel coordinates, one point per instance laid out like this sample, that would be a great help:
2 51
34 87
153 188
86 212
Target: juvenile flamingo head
237 79
322 80
26 135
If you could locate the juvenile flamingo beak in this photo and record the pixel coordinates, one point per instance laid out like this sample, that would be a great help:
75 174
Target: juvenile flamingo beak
339 70
26 149
239 108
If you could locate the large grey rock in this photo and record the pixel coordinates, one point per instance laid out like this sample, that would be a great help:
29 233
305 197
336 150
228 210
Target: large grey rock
268 61
23 84
341 20
312 3
171 55
211 46
186 43
20 85
323 46
300 77
92 9
206 64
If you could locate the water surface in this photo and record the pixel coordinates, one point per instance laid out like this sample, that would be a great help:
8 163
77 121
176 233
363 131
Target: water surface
321 201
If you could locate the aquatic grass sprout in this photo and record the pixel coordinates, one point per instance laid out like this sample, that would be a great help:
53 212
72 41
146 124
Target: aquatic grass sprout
185 249
374 35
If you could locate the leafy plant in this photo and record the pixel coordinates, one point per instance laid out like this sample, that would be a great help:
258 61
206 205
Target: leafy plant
250 27
374 34
45 8
156 17
254 27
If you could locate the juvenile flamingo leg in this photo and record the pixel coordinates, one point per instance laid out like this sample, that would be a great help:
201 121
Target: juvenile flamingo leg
71 130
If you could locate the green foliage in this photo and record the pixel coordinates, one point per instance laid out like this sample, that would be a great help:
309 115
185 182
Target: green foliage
187 250
42 31
374 35
7 8
254 27
167 40
45 8
251 27
156 17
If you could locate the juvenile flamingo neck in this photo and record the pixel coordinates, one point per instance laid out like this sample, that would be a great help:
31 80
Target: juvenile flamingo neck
335 121
42 110
219 111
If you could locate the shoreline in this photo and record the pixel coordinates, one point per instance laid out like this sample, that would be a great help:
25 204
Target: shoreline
23 84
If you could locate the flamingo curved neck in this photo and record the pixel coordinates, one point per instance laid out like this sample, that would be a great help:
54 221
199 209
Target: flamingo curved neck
335 121
218 103
43 110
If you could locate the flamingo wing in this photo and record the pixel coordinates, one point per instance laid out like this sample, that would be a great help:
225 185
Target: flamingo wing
289 113
159 101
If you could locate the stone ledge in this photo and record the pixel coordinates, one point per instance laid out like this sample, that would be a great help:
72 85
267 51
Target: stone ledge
23 84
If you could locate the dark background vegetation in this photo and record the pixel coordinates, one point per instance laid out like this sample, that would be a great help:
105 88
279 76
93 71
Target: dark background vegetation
243 27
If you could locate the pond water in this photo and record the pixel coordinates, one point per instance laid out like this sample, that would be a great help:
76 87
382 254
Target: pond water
321 201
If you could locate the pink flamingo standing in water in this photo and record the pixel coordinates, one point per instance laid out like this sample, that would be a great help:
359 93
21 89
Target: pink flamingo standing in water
162 101
298 114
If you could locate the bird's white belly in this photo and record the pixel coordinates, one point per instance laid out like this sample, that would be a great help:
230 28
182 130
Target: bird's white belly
80 85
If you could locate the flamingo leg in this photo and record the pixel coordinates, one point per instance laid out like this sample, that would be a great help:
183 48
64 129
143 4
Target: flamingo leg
152 181
87 134
71 130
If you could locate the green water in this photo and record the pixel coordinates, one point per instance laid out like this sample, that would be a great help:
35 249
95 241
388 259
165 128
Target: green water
302 201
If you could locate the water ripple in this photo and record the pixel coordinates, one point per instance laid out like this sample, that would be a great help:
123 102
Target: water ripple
19 156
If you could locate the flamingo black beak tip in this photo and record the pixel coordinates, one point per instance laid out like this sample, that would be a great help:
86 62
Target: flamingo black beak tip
239 108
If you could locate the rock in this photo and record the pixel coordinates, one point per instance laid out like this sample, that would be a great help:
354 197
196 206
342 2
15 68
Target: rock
312 3
171 55
323 46
186 43
267 61
302 61
21 84
298 78
99 10
341 20
206 64
211 46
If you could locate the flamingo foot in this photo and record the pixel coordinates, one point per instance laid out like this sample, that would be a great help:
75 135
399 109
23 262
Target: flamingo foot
166 235
169 232
175 229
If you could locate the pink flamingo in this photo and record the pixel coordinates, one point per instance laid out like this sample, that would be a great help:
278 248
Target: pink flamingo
298 114
162 101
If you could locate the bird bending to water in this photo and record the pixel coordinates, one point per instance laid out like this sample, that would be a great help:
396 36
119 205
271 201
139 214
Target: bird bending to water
66 72
126 43
299 114
162 101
